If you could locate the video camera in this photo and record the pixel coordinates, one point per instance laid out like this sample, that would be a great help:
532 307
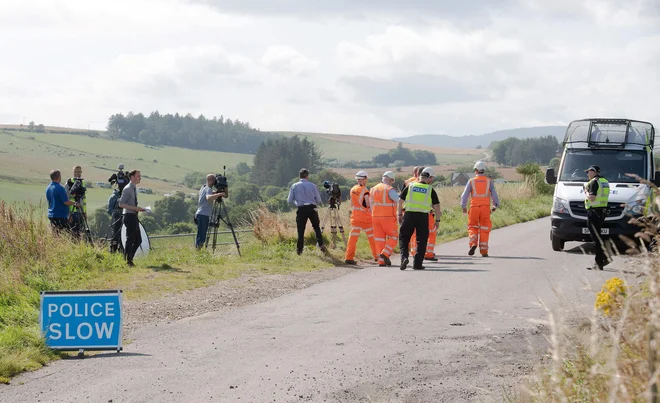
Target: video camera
120 178
76 188
220 184
333 190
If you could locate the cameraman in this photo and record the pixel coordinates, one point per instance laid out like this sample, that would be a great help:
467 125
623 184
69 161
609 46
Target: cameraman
306 196
205 208
58 202
128 202
77 189
116 223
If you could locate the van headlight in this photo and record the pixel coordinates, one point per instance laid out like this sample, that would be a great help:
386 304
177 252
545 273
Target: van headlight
560 206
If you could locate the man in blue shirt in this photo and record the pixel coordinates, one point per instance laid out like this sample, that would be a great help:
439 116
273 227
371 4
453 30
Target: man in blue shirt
58 202
205 208
306 197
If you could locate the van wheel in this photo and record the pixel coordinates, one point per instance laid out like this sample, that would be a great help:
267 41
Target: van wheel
557 244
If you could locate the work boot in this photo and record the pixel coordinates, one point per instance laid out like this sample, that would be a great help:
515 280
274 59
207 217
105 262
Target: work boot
484 255
419 268
432 258
404 263
353 262
472 249
386 259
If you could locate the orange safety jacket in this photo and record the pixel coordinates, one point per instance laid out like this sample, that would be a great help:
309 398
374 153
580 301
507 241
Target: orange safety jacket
409 181
480 191
381 204
358 209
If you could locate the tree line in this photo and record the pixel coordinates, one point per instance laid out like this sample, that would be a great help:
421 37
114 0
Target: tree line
514 151
217 134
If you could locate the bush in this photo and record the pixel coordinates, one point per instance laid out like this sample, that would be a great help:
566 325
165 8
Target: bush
535 179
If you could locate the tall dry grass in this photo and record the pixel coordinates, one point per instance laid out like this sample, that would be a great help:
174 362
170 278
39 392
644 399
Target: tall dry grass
613 355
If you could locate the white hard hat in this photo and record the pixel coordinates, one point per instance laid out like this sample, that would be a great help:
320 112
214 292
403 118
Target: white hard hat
480 166
389 174
361 174
428 172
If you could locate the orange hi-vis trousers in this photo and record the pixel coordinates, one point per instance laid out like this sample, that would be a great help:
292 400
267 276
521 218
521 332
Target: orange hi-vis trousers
386 235
430 246
356 228
479 226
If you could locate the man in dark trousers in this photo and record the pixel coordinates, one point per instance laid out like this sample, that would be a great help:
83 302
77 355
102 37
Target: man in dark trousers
307 198
419 198
128 202
596 192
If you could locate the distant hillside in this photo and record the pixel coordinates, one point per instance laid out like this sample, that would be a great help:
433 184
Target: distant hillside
484 140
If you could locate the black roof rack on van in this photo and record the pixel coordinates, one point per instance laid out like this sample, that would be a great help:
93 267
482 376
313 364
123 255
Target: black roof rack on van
605 133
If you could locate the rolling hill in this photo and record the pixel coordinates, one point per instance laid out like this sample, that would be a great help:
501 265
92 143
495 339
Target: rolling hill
484 140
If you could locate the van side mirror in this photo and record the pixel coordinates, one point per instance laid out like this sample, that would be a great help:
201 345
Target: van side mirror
656 179
550 176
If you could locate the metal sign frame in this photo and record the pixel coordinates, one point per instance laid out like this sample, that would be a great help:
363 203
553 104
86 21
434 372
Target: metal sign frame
81 347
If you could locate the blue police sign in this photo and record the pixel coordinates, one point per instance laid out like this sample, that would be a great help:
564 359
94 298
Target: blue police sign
73 320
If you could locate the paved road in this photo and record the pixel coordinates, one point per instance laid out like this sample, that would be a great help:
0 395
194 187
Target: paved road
459 331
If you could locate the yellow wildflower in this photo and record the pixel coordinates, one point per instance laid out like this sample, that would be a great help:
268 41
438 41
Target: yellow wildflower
606 299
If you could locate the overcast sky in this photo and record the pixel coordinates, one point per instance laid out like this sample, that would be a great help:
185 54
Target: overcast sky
370 67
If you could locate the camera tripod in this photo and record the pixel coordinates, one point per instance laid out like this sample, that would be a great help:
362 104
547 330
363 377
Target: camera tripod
82 221
219 213
332 214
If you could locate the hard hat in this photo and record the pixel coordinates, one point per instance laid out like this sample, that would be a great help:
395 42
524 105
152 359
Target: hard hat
428 172
361 174
389 174
120 166
480 166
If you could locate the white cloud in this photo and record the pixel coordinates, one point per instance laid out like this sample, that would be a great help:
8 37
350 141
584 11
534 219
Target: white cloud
382 68
287 60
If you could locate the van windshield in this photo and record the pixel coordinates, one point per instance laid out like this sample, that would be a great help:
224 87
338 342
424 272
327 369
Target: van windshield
614 165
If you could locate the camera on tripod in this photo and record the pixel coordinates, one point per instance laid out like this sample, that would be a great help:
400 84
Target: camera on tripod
220 185
120 178
77 190
333 190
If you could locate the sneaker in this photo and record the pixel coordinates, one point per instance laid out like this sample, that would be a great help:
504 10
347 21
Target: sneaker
386 259
350 262
432 259
404 263
130 264
484 255
472 249
419 268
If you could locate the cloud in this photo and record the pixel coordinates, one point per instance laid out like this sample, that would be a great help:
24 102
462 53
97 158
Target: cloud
287 60
412 89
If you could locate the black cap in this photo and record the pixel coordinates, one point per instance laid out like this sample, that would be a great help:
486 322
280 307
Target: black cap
594 168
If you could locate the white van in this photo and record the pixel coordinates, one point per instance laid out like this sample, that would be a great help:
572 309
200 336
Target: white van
618 147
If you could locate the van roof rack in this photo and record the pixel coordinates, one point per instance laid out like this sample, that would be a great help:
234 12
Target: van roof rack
609 133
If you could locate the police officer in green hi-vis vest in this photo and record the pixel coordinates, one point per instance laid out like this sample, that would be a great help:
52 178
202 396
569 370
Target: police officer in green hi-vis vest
596 192
419 199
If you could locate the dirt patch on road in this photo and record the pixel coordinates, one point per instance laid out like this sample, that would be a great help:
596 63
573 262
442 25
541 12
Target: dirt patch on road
251 288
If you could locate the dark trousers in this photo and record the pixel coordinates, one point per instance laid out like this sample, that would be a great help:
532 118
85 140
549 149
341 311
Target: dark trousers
202 229
133 237
115 233
419 223
77 226
59 224
303 214
595 220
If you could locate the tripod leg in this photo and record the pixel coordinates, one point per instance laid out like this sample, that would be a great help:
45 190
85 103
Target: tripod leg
325 218
341 228
231 228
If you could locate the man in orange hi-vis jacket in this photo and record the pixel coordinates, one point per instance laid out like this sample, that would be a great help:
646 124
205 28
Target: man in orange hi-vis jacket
480 189
360 218
413 178
383 210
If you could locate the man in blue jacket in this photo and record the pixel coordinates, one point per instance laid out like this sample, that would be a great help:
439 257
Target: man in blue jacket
58 202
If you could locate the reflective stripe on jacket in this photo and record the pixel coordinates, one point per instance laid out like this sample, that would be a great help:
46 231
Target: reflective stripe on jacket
601 197
418 199
480 191
381 204
358 211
